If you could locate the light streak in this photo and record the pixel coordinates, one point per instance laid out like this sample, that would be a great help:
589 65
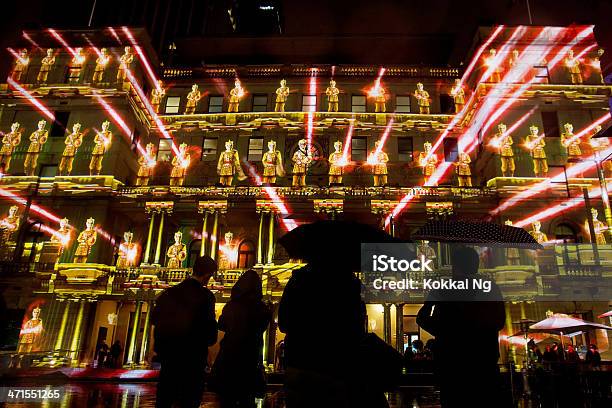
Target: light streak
33 207
555 209
142 56
589 128
478 55
17 56
347 143
312 90
59 38
96 50
37 104
383 140
289 224
27 37
114 34
496 141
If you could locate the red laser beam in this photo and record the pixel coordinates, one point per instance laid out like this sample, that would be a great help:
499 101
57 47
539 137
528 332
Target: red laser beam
142 56
27 37
347 143
61 40
36 103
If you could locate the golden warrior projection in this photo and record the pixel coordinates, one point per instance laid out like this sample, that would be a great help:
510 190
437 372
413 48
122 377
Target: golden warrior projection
177 252
463 170
102 142
332 96
378 159
46 64
193 98
128 251
37 140
21 64
596 65
272 164
573 67
598 145
458 94
31 333
63 235
513 256
428 161
282 93
505 150
180 163
146 165
9 226
101 64
235 96
157 95
513 58
489 61
380 97
571 143
301 160
9 142
599 227
535 143
537 234
85 242
76 66
229 165
336 164
422 97
73 141
125 64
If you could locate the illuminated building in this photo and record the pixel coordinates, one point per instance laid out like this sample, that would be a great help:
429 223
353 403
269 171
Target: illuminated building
160 177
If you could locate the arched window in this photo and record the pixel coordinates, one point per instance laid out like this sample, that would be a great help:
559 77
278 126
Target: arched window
246 254
194 251
566 233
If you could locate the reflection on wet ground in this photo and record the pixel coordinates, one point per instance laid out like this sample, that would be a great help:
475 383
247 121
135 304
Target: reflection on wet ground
142 395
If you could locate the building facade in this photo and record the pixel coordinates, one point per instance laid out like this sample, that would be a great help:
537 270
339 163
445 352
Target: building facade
222 160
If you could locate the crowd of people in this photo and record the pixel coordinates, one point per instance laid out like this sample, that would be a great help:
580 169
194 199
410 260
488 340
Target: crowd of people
554 353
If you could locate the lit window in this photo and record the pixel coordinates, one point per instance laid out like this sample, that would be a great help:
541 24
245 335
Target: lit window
402 104
172 104
209 149
404 149
358 103
164 150
255 149
359 147
309 103
260 103
215 104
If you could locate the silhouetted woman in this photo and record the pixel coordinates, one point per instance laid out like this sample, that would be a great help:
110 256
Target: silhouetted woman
238 371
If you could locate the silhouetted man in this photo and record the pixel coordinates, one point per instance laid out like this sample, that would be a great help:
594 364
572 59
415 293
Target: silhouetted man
185 325
466 324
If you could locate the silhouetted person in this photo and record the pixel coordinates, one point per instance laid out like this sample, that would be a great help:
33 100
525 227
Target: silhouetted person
323 337
572 355
238 371
468 376
185 325
101 353
115 354
592 356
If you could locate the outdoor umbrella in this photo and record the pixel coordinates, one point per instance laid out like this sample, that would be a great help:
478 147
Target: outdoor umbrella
476 232
332 240
605 314
563 324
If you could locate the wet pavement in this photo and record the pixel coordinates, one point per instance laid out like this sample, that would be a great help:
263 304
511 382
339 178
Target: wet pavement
142 395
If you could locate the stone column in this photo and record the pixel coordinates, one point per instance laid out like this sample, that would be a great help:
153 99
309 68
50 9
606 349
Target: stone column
270 257
134 334
204 235
147 252
76 335
387 322
260 238
160 236
399 327
145 334
214 239
59 341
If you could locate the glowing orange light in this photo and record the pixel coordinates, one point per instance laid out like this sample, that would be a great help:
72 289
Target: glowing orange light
347 144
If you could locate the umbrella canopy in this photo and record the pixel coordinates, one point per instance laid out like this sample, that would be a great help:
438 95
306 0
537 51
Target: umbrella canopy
332 240
605 314
476 232
562 323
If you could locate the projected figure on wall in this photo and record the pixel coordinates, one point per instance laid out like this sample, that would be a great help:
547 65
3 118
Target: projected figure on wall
102 142
332 96
571 143
101 64
428 161
599 227
378 160
125 64
21 64
76 66
46 64
146 165
380 98
85 241
573 67
505 150
282 93
236 94
538 235
272 163
73 141
490 61
458 94
128 252
157 95
463 170
37 140
31 333
422 97
177 252
193 99
10 141
229 165
535 144
336 164
63 235
180 163
9 225
301 161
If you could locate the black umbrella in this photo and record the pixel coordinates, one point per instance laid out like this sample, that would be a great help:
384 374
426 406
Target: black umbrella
332 240
476 232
